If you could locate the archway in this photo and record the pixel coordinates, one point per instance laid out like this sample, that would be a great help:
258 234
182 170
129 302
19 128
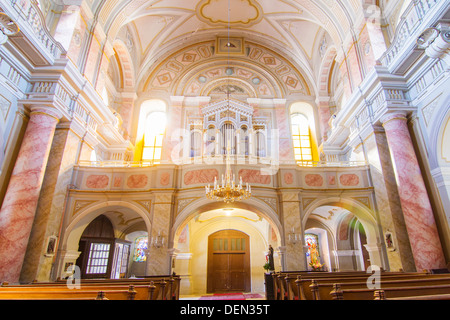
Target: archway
202 219
346 233
128 222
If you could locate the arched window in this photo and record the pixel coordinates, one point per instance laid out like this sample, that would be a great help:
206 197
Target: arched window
140 249
301 137
155 127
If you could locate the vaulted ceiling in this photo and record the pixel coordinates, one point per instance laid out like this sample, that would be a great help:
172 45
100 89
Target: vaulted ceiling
298 30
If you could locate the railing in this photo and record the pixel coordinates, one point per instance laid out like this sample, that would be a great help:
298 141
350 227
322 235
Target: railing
116 164
30 17
331 164
410 25
144 164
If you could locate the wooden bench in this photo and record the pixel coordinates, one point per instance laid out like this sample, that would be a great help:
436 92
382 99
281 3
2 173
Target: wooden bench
296 287
115 292
396 292
282 287
167 286
151 288
321 290
380 295
65 294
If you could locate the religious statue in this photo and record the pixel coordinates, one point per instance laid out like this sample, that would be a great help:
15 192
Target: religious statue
269 259
314 255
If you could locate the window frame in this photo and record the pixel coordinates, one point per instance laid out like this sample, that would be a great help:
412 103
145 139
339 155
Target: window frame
154 144
299 137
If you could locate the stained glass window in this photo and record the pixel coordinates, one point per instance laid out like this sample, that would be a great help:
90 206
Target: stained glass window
311 240
313 254
140 249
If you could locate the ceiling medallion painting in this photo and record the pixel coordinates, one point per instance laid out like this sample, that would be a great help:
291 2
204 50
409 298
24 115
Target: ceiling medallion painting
245 13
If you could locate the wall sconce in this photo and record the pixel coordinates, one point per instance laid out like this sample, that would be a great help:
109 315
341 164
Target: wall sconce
293 237
158 241
435 41
7 28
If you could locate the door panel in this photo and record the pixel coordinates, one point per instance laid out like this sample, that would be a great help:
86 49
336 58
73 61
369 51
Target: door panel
228 262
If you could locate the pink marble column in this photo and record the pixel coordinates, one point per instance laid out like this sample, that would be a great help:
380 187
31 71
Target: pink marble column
21 198
417 211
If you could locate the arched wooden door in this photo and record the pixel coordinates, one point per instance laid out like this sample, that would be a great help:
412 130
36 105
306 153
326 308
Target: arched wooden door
228 262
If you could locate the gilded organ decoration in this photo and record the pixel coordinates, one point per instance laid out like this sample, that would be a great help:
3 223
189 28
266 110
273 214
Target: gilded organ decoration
229 121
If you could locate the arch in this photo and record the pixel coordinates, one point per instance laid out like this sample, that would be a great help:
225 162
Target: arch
126 65
365 217
326 67
74 230
439 123
319 228
200 205
438 151
282 78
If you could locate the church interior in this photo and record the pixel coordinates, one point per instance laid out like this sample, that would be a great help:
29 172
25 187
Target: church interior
223 142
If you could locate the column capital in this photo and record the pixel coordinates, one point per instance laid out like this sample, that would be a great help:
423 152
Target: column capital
323 101
48 111
397 115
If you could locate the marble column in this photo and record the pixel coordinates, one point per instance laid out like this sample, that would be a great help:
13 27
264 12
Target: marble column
294 256
159 257
50 208
22 195
388 209
417 211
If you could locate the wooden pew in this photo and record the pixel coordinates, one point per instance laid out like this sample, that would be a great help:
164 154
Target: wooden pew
394 292
321 290
64 294
150 288
380 295
282 288
120 292
167 286
297 286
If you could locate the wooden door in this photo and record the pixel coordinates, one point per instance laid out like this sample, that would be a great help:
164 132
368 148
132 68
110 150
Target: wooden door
228 262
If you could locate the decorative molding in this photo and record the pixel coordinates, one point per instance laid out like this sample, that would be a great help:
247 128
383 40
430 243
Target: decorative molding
145 203
306 202
272 202
363 200
245 12
81 204
182 203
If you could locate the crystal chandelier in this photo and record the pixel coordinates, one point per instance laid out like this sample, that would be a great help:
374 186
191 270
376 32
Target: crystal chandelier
229 191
